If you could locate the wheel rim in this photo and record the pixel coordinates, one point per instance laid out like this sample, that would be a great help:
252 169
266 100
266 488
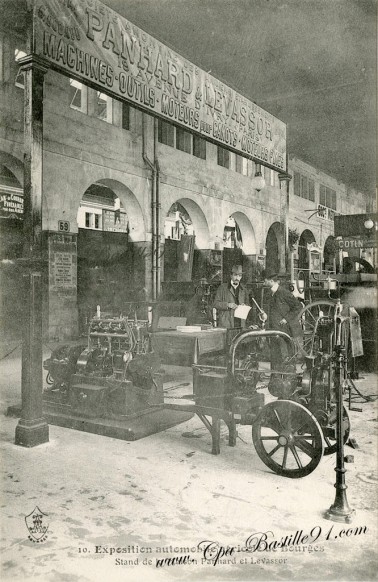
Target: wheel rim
330 445
310 319
288 439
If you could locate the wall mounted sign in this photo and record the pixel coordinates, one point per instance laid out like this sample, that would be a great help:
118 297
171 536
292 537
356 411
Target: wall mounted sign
115 221
11 203
314 257
62 250
88 41
325 212
349 242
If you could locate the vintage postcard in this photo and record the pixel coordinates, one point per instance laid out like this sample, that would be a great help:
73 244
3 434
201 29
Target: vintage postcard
188 238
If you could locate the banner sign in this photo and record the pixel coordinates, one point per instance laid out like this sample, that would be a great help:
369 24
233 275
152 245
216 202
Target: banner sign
87 40
356 243
351 225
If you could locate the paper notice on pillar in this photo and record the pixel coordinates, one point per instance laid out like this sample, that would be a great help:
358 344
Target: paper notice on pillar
242 311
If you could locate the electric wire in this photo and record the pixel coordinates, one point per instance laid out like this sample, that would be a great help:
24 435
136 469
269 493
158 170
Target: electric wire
11 352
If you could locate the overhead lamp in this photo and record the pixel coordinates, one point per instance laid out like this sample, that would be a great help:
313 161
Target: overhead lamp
258 182
369 223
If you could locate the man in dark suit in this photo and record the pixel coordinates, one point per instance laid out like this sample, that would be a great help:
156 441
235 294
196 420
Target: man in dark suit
228 296
283 314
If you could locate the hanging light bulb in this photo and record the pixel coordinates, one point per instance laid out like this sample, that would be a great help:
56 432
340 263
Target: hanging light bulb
369 223
258 182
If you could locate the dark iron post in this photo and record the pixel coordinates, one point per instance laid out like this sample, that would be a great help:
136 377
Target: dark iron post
340 510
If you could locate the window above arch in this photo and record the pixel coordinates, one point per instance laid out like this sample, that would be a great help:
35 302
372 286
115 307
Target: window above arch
101 209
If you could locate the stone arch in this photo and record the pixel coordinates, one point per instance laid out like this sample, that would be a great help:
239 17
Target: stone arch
112 265
272 245
199 221
130 204
13 164
247 232
11 244
11 224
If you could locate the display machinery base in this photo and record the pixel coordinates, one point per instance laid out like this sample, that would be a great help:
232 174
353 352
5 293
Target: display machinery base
130 428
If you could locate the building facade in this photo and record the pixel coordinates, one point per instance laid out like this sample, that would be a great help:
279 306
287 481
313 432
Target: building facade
315 199
119 183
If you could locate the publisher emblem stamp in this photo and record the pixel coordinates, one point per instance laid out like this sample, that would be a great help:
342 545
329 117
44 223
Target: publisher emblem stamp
37 525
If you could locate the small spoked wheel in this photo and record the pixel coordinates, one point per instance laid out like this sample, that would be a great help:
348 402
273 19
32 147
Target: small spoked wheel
288 439
329 434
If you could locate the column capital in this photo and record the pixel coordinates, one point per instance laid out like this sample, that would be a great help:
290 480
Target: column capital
34 62
284 177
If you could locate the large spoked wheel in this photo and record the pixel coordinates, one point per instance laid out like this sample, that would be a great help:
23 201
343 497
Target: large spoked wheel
288 439
329 434
316 320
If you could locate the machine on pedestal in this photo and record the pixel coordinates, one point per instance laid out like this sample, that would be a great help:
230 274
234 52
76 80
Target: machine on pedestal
111 386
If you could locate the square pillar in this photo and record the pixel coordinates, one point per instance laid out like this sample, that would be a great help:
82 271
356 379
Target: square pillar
32 428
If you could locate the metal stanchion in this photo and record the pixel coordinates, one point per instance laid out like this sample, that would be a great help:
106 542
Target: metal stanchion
340 510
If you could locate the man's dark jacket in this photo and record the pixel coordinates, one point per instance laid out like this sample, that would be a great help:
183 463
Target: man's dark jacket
283 305
226 294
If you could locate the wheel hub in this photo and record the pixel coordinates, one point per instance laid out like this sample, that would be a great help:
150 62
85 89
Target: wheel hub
284 439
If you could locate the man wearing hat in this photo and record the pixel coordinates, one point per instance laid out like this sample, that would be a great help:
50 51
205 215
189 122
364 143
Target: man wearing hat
283 315
228 296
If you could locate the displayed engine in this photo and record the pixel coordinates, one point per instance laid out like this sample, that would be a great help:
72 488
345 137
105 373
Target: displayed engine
115 374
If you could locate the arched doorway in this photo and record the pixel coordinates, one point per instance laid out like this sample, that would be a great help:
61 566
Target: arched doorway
186 261
232 246
239 245
186 234
330 253
11 249
179 244
306 238
110 268
273 240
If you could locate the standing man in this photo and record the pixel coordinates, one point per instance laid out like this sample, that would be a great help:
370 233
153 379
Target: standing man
283 314
228 296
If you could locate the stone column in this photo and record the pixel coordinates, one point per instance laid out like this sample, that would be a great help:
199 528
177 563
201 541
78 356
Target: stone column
143 268
32 428
249 268
284 221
